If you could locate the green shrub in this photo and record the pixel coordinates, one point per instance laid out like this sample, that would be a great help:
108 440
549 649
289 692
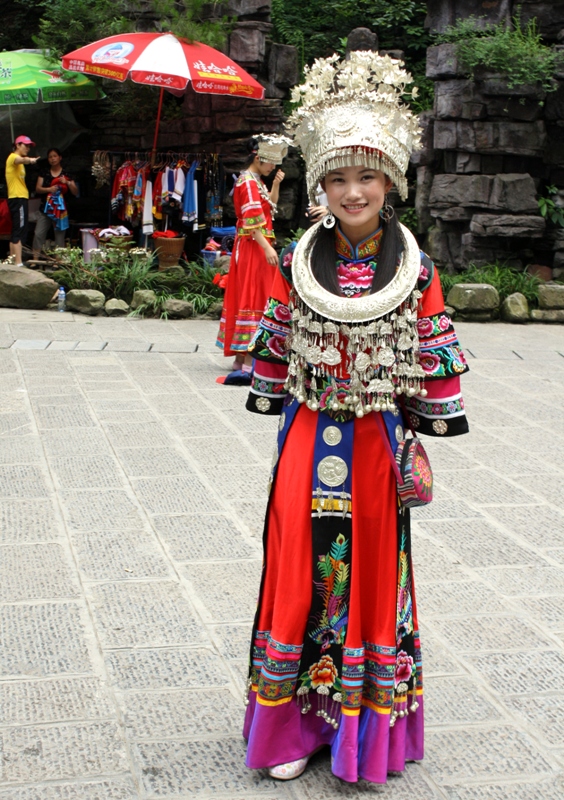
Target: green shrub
516 51
112 272
505 279
118 274
549 209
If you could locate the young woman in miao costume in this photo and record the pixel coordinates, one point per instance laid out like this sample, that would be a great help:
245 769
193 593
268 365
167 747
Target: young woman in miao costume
355 330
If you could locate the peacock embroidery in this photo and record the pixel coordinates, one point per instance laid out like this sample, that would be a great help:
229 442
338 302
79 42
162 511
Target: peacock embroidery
331 622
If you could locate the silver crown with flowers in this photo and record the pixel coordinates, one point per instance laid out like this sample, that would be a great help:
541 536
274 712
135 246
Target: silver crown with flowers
273 148
351 113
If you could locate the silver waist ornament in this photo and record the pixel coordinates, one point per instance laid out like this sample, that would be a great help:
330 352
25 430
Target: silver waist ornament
372 339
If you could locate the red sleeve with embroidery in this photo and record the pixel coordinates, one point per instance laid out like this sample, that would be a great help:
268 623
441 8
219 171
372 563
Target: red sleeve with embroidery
441 411
268 348
247 198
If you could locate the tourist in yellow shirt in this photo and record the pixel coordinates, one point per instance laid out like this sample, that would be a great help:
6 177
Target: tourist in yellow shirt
18 194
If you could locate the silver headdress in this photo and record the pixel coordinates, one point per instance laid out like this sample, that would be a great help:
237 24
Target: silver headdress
273 148
351 113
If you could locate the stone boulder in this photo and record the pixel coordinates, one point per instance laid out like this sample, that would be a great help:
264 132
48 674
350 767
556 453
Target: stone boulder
547 315
178 309
540 271
463 190
283 65
514 226
442 62
116 308
172 278
362 39
214 311
551 296
514 192
247 42
222 263
425 154
85 301
24 288
515 308
143 297
477 300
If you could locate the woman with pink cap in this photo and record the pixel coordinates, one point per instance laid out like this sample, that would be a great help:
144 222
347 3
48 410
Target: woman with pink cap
18 194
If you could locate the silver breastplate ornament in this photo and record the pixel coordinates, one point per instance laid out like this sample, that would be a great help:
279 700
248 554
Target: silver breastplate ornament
361 353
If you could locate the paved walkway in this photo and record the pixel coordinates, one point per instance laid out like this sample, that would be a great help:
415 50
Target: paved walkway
132 493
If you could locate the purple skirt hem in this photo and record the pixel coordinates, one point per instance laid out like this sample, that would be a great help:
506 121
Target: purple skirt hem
364 746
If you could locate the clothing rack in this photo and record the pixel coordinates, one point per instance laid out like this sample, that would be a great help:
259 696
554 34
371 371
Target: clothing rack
207 165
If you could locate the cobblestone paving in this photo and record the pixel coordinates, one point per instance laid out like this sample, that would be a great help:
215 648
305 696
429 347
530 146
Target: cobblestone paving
132 491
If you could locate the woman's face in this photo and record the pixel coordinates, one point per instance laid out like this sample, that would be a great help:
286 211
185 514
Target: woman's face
53 158
355 196
264 167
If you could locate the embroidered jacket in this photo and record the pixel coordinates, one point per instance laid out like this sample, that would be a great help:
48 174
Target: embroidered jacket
253 211
431 383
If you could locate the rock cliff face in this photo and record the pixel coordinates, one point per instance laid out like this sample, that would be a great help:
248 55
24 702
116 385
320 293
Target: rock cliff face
489 149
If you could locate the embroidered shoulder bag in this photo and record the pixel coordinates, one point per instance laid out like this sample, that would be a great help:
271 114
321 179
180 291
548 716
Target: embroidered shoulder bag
411 466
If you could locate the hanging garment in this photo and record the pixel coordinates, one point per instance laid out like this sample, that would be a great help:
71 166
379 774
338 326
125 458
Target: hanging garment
190 200
147 219
55 207
179 184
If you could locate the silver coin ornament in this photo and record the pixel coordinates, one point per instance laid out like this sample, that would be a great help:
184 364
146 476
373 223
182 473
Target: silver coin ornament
332 471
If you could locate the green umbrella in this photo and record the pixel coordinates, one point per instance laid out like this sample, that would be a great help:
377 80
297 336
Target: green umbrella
28 76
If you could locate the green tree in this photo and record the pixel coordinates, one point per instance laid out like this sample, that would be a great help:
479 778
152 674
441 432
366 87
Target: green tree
319 28
66 25
20 21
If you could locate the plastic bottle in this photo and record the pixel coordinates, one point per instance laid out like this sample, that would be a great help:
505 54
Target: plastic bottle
62 299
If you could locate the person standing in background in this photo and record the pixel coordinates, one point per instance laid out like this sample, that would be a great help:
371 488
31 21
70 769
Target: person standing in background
54 181
254 260
18 194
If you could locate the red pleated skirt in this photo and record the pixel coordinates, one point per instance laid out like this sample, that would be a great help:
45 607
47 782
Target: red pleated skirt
248 289
364 745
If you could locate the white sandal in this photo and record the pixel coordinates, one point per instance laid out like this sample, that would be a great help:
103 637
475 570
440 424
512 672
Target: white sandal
293 769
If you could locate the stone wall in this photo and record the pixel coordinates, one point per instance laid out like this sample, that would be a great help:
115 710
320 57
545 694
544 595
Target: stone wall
488 151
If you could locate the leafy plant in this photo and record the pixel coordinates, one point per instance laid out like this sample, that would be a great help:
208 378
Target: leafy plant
410 220
504 278
199 288
316 29
514 51
549 209
69 24
119 274
114 273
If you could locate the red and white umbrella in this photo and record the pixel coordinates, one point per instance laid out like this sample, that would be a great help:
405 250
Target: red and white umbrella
164 60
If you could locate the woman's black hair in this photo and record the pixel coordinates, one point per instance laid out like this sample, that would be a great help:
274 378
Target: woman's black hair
324 257
252 149
54 150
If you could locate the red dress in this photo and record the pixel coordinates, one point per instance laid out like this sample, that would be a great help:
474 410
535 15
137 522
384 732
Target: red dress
335 655
250 276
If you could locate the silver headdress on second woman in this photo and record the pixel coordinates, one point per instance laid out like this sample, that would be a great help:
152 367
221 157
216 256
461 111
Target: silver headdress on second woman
273 147
351 113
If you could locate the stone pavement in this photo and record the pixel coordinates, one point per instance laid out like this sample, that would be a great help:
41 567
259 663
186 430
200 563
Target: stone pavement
132 494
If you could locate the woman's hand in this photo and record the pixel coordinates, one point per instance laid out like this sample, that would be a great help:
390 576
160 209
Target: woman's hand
279 177
315 213
271 255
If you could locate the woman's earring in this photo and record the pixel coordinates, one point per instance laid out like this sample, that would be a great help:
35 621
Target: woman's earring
387 211
329 220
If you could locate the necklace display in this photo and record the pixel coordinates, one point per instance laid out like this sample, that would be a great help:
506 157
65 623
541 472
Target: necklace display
263 191
353 356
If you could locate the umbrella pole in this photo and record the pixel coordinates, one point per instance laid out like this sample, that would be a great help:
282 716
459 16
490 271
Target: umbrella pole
157 126
11 123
